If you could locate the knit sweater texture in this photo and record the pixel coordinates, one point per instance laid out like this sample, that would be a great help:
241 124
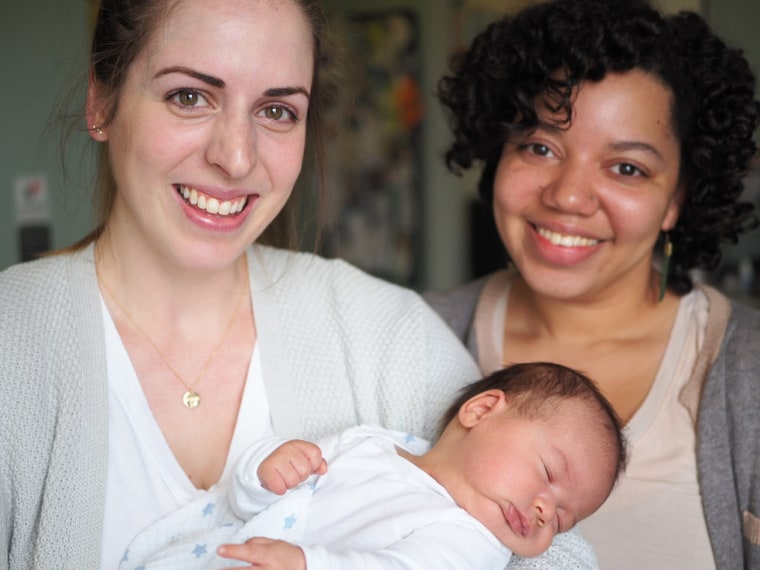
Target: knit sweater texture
338 347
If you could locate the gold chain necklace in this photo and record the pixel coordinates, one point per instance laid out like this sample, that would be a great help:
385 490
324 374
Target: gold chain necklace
190 398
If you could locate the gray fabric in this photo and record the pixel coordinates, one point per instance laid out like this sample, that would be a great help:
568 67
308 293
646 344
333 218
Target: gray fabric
338 348
728 430
457 309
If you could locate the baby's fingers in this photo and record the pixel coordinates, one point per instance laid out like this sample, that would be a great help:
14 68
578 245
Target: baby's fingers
266 553
291 464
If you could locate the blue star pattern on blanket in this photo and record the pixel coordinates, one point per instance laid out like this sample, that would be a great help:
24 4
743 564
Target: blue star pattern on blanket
290 520
188 538
199 550
409 438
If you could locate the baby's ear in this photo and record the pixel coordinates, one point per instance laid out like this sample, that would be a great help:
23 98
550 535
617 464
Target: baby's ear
481 406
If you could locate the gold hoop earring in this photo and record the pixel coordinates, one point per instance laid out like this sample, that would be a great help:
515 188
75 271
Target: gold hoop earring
667 253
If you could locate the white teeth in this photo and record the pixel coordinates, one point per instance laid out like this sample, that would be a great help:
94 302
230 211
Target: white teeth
212 205
565 240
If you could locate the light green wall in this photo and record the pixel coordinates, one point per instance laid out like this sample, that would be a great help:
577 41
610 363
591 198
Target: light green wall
737 22
42 44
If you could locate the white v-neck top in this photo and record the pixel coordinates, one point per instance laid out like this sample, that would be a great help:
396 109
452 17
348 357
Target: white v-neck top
654 516
145 481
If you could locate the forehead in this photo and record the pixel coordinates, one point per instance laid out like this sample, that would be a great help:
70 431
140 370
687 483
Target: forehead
582 433
634 99
236 32
580 428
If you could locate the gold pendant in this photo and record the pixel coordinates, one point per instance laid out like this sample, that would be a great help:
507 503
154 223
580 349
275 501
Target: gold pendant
191 399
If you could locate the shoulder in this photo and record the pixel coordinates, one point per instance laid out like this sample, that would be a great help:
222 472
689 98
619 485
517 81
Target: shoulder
37 290
457 306
384 437
31 277
460 297
735 375
48 308
739 358
48 273
305 278
743 325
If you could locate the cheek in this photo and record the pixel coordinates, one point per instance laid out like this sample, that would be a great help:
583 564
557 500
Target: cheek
511 204
543 542
143 145
636 220
516 185
284 159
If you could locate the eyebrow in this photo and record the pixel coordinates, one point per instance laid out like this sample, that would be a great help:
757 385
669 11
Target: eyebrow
210 79
637 145
219 83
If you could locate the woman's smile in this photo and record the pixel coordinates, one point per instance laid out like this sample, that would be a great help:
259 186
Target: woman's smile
210 204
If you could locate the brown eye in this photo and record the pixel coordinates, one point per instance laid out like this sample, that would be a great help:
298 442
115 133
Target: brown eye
188 98
274 113
277 117
628 170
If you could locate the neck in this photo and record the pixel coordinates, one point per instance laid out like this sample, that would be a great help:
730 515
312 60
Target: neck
617 313
156 292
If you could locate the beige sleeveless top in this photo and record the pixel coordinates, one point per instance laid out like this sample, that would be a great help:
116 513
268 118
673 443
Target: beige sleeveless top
654 516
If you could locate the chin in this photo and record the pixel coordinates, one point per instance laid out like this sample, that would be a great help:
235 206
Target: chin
557 284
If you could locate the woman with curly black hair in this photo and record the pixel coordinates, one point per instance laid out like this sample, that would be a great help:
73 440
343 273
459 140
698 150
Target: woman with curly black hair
613 142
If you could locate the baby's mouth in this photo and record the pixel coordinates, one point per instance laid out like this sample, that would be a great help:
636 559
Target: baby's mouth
516 520
212 205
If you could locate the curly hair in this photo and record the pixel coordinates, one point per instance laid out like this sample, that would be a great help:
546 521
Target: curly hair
493 88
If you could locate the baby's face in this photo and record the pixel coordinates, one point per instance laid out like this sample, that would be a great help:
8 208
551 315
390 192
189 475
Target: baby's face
529 479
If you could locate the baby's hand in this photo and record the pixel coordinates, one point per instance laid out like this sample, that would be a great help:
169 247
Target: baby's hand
291 464
266 554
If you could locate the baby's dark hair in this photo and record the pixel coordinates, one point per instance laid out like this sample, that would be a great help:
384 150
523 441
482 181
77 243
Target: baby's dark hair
545 51
537 388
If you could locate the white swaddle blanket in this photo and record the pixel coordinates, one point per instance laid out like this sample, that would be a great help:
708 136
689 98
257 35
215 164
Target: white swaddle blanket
188 538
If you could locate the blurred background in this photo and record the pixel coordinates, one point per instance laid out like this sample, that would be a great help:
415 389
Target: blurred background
394 208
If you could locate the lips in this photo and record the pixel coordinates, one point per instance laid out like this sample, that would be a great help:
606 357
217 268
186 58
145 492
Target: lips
517 522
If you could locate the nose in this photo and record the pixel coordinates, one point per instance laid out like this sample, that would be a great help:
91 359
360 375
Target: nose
571 190
545 512
232 145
